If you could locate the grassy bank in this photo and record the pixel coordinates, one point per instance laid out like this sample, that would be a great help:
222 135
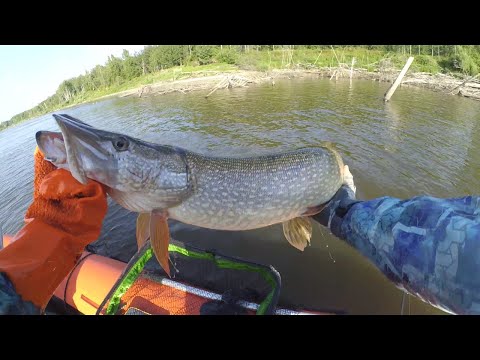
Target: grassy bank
161 64
174 73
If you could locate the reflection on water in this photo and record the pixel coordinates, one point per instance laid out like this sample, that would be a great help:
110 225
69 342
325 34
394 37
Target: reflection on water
418 143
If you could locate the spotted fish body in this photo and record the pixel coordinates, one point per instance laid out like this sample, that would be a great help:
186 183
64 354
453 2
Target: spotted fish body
161 182
248 193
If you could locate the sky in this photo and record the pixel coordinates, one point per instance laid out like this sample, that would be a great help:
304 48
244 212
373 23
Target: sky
31 73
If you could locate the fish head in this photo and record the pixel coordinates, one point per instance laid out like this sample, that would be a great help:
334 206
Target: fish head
119 161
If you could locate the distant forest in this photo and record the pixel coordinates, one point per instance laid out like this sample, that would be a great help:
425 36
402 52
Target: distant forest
119 72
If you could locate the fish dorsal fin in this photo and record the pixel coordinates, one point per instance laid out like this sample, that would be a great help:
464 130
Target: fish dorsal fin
298 232
329 145
333 148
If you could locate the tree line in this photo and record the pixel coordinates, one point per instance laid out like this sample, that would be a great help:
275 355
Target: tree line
119 70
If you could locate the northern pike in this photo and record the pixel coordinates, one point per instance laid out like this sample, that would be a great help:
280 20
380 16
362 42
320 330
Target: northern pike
223 193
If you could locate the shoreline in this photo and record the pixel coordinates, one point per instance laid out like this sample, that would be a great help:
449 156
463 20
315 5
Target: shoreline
468 87
214 80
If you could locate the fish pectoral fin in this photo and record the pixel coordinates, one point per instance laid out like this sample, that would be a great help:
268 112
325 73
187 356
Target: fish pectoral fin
298 232
143 229
160 237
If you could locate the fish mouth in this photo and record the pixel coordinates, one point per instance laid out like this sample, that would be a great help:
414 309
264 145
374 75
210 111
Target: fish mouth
52 146
82 144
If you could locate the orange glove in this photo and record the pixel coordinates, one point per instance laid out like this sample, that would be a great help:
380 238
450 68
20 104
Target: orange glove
64 217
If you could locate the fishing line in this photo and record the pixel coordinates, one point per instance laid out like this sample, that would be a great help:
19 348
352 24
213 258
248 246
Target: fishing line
323 236
174 267
403 304
402 309
409 301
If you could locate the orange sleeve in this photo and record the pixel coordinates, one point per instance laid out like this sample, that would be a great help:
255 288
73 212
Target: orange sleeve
63 218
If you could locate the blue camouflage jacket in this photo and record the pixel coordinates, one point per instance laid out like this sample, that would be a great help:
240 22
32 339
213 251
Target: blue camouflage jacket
427 246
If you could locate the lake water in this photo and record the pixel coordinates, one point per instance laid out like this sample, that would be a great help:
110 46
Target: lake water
421 142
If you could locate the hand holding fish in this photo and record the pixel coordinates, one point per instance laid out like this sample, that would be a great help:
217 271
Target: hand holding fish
62 219
419 244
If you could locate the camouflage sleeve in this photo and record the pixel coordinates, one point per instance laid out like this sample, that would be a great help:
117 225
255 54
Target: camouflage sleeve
427 246
11 303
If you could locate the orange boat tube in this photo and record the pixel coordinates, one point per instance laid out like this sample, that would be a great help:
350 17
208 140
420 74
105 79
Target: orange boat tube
78 290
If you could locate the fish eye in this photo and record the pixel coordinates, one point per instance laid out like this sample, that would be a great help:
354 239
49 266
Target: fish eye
120 143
